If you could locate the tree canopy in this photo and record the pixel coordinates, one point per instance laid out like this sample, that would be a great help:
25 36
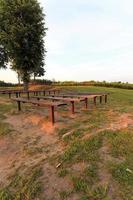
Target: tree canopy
3 57
22 32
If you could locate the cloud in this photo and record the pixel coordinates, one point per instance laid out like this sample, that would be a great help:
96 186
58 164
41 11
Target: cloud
89 39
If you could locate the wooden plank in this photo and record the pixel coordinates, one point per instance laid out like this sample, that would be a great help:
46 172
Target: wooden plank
68 99
38 102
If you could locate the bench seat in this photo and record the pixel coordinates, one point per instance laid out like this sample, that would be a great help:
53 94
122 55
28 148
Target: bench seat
50 105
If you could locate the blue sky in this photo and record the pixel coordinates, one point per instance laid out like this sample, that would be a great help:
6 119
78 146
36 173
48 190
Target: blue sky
87 40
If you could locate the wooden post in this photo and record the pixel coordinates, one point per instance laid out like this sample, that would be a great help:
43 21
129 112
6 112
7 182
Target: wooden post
16 94
52 115
28 95
44 93
106 98
19 106
100 99
86 103
73 109
95 101
9 95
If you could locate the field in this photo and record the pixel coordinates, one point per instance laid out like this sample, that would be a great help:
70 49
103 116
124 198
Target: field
86 156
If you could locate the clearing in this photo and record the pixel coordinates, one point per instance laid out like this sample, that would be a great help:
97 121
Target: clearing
86 156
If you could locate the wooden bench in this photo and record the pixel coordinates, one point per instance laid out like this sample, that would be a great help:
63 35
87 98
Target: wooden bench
50 105
85 95
28 92
101 94
69 100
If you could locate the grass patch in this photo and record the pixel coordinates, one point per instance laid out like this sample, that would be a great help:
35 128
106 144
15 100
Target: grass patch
91 174
24 187
5 129
80 184
121 143
65 194
86 150
63 172
122 173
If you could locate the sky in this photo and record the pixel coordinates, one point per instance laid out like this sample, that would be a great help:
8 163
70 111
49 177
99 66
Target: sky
87 40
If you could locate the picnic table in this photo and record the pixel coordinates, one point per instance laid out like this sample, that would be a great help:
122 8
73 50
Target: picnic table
51 105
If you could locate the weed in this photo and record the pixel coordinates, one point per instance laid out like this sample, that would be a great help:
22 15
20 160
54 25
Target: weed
62 172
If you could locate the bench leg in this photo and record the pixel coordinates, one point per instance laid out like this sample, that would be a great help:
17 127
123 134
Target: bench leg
28 95
73 107
106 98
52 115
19 106
95 101
86 103
16 95
100 99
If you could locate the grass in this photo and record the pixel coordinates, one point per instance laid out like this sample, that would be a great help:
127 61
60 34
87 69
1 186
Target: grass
121 143
63 172
5 128
87 182
64 194
24 187
85 150
84 145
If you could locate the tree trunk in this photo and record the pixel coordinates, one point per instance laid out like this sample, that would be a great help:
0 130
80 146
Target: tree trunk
26 85
19 78
34 77
26 79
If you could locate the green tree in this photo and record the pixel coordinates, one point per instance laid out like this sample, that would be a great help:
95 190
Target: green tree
22 35
3 57
40 71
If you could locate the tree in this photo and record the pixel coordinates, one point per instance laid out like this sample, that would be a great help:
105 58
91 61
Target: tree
3 57
22 36
40 71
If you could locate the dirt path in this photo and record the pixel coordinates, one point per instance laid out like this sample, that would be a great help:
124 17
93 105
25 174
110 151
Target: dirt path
34 142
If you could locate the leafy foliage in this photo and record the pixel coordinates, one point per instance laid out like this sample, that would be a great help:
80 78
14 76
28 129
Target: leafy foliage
22 35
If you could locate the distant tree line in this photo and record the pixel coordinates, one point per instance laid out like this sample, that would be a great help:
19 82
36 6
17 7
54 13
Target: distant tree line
95 83
32 82
4 84
73 83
